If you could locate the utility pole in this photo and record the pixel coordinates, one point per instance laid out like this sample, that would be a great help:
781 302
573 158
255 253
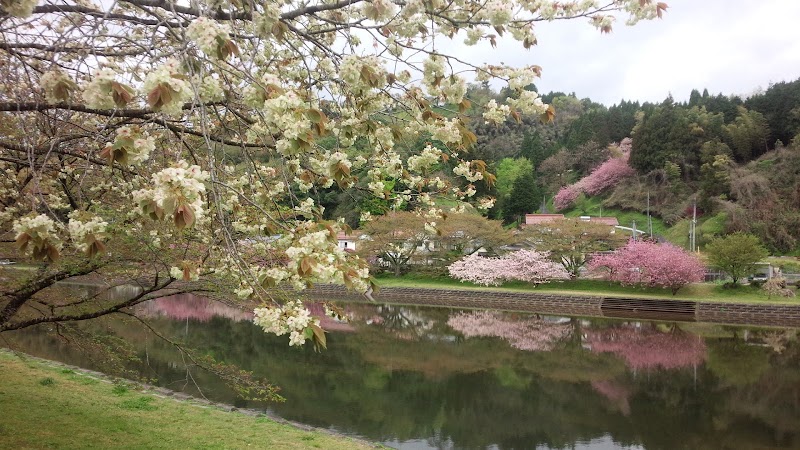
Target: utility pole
693 229
649 219
633 230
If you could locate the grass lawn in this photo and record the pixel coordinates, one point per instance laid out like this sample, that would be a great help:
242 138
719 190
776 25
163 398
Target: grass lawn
700 291
52 407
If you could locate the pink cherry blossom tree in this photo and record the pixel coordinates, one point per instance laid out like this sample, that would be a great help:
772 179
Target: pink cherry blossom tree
522 265
602 178
650 264
608 175
566 196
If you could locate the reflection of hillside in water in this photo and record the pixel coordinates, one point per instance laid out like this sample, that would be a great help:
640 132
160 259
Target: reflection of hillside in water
616 392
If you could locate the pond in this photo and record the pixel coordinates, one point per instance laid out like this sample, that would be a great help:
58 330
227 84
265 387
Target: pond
442 378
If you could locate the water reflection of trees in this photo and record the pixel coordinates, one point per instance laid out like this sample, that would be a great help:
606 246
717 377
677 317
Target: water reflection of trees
528 333
475 393
192 307
646 347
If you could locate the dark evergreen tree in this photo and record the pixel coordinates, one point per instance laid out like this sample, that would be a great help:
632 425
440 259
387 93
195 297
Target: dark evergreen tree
621 120
533 148
779 105
524 198
661 137
695 98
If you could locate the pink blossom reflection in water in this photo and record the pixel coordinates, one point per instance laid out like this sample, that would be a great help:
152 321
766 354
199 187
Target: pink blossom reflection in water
645 348
191 307
527 333
202 309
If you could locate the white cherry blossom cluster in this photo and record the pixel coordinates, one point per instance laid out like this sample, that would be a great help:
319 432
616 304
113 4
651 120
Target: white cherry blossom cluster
495 113
524 34
315 256
379 10
528 102
187 273
84 233
40 229
520 77
463 169
306 208
453 89
267 18
256 92
137 142
169 76
209 89
485 203
430 227
353 68
173 187
642 10
433 72
292 318
383 138
97 92
387 163
603 23
284 115
498 12
425 160
474 35
53 80
446 131
208 34
19 8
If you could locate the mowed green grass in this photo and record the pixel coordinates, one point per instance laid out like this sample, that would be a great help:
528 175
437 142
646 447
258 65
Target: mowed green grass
708 292
48 407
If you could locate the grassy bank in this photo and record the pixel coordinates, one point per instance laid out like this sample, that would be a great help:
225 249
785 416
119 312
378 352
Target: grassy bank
52 407
700 291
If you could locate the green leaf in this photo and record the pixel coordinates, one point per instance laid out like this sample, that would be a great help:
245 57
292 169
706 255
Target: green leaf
316 116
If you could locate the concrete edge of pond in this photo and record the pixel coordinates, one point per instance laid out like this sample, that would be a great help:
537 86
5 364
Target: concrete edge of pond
165 393
776 315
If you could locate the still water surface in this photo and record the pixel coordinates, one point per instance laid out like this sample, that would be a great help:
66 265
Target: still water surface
440 378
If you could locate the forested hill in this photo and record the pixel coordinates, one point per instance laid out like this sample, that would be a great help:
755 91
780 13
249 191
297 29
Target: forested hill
738 159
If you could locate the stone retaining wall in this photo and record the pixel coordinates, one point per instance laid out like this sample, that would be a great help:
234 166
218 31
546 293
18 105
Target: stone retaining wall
517 301
546 303
738 313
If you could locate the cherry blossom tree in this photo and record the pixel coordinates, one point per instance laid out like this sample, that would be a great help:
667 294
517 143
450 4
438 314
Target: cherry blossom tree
571 241
602 178
393 239
566 196
522 265
650 264
155 141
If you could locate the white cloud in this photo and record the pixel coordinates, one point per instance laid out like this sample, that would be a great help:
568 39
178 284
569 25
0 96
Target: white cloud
728 46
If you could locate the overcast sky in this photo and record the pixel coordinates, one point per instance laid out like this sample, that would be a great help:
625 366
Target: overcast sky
728 46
